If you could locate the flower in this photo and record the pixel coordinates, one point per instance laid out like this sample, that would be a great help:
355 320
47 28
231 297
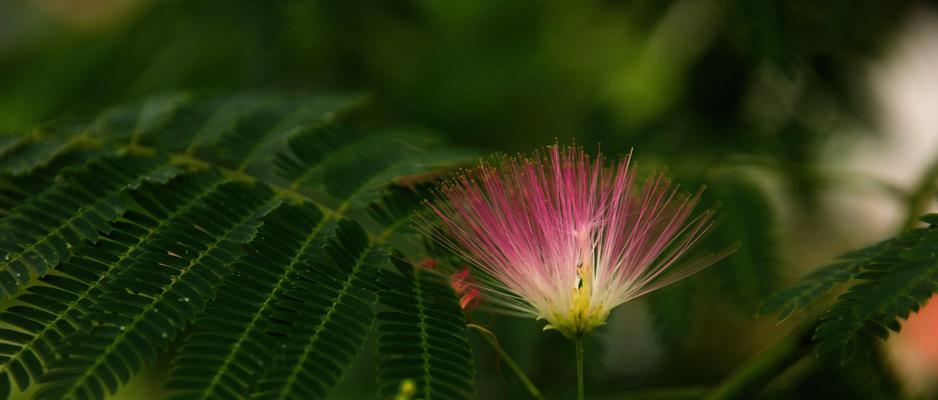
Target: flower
560 237
462 283
466 289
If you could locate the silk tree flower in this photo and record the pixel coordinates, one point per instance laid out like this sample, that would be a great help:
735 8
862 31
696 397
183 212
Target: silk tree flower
466 288
565 238
462 283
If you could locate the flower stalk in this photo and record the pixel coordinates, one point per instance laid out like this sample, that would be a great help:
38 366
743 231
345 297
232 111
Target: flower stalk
579 368
565 238
492 341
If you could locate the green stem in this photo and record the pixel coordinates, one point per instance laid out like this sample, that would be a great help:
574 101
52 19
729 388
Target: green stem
668 393
765 366
768 364
492 341
579 368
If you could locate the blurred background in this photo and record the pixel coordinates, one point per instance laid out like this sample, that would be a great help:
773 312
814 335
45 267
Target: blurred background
813 124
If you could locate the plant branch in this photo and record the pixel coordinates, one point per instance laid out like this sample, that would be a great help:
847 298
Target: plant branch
664 393
579 367
771 362
765 366
492 341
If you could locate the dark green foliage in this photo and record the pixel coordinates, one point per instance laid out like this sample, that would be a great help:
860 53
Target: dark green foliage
748 219
232 336
250 128
323 317
674 311
55 308
150 301
24 154
164 218
815 285
423 336
397 207
894 278
892 285
168 121
80 206
352 165
743 279
14 190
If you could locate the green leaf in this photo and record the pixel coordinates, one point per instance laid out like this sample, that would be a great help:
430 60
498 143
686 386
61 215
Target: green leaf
34 151
817 284
39 233
251 129
323 318
52 310
232 336
167 121
171 219
894 284
747 218
151 300
354 166
14 190
423 336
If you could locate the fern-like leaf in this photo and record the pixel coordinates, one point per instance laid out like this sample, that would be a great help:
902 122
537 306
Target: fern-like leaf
894 283
133 247
348 164
323 317
150 301
256 128
77 208
33 151
232 337
818 283
423 337
52 310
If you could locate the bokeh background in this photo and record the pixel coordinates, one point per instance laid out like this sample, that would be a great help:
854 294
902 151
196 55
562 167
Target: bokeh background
813 124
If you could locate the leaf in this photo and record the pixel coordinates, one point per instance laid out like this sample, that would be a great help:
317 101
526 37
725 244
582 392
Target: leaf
34 151
152 299
232 336
422 336
14 190
353 166
251 129
751 273
38 233
893 284
815 285
48 312
167 121
170 220
323 318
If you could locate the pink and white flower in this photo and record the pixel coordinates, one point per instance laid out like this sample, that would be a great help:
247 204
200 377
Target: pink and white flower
562 237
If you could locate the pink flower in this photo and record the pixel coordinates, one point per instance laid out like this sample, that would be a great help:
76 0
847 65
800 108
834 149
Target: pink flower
462 283
560 237
465 286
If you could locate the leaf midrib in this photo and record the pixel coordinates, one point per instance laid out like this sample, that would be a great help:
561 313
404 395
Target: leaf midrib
257 315
294 372
424 334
